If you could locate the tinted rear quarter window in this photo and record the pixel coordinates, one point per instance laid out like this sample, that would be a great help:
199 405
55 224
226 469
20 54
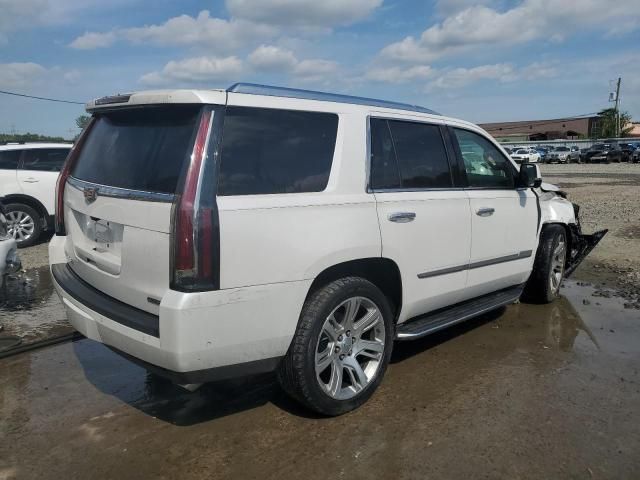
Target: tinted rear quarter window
139 149
267 151
9 159
44 159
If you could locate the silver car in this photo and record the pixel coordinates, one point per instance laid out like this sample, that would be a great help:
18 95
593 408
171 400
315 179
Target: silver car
559 155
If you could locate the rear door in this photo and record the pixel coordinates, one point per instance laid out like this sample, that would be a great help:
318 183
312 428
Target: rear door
423 215
118 200
504 219
38 173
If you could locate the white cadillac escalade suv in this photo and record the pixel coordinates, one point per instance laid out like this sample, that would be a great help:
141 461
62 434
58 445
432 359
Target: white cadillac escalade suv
215 233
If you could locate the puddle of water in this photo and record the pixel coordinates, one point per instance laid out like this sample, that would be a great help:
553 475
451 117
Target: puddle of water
30 307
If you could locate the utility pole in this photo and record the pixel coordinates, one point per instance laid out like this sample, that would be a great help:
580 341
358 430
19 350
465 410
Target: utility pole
618 107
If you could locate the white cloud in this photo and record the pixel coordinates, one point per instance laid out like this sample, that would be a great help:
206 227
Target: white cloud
397 74
13 14
19 75
276 59
316 70
215 33
93 40
502 72
196 70
270 58
305 13
479 26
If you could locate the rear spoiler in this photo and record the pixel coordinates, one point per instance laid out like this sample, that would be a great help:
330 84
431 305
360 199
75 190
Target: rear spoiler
156 97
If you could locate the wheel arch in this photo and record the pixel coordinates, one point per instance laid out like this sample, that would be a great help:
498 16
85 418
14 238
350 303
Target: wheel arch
567 232
31 202
383 272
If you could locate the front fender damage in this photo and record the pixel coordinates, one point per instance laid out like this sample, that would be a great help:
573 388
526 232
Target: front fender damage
581 243
555 208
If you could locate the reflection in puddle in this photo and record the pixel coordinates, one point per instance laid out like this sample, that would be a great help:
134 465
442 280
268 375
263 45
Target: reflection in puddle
29 306
26 291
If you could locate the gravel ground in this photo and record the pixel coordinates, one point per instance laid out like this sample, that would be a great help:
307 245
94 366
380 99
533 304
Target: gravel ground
609 197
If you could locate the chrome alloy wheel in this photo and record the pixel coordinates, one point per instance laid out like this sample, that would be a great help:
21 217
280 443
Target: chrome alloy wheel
20 225
557 265
350 348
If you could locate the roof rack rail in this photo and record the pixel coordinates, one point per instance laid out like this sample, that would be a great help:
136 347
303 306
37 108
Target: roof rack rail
268 90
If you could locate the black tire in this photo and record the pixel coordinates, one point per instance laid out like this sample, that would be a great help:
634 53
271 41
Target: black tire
540 287
15 210
297 372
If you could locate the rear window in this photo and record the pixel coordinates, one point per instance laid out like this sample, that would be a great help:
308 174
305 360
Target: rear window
266 151
142 149
44 159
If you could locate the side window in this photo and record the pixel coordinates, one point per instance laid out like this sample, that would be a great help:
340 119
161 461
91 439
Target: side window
384 166
268 151
422 158
485 165
44 159
9 159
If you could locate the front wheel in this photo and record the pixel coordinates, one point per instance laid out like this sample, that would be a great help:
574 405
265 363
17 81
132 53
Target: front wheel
544 283
341 347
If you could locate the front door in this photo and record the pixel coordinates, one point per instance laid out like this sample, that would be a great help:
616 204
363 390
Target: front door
504 219
424 219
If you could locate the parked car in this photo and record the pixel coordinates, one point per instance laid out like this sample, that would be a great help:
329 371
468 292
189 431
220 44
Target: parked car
559 155
603 153
544 152
28 173
9 259
635 157
626 151
260 228
528 155
574 154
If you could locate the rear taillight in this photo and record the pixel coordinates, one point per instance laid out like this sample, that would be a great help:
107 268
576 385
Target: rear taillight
194 219
64 174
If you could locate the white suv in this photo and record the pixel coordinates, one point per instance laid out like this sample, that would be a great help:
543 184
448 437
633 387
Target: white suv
215 233
28 173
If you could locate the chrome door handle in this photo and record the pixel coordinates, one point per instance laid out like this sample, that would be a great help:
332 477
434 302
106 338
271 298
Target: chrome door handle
485 212
402 217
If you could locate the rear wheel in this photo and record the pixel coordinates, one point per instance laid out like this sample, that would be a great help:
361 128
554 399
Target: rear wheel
341 348
24 224
544 283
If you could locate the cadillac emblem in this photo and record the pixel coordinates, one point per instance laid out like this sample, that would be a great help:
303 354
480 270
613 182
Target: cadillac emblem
90 194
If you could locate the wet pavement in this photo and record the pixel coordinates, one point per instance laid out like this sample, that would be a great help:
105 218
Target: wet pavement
30 307
531 391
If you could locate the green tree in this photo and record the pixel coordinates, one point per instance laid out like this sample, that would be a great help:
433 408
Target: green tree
608 123
82 121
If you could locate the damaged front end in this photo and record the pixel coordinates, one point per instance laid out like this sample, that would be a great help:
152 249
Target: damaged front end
581 244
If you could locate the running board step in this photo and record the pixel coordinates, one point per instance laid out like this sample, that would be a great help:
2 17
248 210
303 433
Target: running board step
434 321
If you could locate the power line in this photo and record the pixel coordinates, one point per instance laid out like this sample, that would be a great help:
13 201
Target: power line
40 98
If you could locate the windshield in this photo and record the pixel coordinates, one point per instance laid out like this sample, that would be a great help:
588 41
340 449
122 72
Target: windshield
562 149
598 146
142 149
522 151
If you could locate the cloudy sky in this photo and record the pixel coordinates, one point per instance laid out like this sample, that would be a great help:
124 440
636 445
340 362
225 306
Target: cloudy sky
484 61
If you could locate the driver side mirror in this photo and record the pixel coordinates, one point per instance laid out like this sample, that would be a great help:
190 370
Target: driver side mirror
529 176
